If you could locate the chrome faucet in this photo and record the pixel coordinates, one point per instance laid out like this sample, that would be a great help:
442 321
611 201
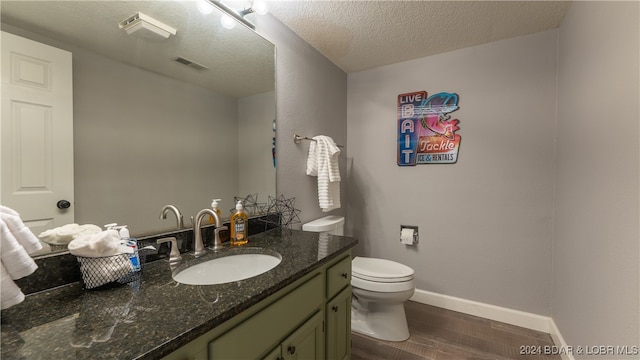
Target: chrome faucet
197 232
166 209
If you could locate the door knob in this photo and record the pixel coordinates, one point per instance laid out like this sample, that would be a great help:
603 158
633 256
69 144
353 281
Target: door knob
334 308
292 350
63 204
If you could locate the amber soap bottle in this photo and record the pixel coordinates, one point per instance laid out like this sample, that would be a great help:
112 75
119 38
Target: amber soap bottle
239 226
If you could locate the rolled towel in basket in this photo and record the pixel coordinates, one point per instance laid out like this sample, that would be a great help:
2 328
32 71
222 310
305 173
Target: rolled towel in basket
102 244
62 235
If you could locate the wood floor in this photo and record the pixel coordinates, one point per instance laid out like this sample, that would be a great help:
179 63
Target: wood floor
439 334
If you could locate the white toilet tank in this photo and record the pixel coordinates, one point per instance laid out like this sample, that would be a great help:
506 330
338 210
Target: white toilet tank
331 224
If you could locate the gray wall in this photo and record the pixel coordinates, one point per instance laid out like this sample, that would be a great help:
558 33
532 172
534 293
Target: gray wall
256 173
485 222
312 100
596 239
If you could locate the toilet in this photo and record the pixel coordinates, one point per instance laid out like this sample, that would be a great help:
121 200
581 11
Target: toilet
379 289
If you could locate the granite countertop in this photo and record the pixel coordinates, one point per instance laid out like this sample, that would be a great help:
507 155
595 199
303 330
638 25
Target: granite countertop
154 315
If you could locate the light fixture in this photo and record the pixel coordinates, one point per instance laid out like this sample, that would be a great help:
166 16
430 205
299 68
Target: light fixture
227 21
205 7
256 6
145 26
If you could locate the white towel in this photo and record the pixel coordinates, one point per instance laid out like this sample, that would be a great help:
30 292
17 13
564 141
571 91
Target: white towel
19 230
16 243
11 294
323 163
15 258
63 235
102 244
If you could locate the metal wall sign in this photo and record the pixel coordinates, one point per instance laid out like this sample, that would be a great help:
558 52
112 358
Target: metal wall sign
426 132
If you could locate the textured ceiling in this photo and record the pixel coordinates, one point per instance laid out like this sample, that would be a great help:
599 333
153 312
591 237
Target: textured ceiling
355 35
360 35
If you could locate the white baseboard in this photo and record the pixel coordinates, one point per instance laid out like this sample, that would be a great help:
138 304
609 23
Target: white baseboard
487 311
497 313
558 340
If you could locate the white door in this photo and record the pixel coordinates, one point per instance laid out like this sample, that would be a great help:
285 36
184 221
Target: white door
36 133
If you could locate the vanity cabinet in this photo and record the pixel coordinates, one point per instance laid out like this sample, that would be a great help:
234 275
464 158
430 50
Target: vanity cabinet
251 338
308 319
305 343
338 276
338 311
338 326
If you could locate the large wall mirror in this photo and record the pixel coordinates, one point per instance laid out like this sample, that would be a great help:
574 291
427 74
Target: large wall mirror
179 120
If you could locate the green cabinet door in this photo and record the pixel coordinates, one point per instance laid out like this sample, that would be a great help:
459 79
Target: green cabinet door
258 334
276 354
307 342
338 312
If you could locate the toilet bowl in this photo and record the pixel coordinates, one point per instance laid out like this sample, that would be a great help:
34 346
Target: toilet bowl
380 288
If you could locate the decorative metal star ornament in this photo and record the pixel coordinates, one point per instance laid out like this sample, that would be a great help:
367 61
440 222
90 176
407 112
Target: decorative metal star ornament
281 206
285 208
250 204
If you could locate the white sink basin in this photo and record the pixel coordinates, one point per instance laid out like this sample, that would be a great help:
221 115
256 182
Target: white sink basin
227 269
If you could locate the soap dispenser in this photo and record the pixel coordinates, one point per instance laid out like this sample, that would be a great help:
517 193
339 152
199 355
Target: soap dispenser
130 242
216 208
239 226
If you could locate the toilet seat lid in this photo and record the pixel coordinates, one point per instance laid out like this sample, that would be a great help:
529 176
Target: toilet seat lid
380 270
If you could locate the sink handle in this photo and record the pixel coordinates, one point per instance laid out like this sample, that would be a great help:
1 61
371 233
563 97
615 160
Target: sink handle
217 243
174 256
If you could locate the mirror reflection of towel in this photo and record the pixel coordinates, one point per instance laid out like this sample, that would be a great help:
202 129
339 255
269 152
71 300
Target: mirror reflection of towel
97 320
62 235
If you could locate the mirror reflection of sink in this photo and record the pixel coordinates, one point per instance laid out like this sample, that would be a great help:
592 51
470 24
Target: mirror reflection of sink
228 268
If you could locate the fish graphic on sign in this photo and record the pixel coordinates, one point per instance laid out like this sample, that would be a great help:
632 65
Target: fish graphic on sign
426 132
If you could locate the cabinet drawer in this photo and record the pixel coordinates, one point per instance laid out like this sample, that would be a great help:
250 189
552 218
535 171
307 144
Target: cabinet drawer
338 276
262 331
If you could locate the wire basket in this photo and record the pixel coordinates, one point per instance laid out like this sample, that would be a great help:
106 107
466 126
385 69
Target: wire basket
101 272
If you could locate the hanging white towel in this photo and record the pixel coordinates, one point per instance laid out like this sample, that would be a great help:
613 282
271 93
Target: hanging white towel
19 230
322 162
11 294
14 257
16 243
